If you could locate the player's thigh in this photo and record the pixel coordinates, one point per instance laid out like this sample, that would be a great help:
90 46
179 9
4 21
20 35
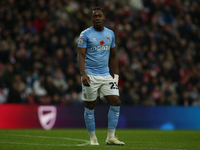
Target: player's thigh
109 87
90 104
113 100
89 93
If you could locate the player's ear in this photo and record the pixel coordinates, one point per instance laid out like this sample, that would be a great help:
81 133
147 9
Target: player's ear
104 18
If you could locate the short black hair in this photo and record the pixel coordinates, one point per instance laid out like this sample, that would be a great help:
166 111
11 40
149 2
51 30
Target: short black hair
97 8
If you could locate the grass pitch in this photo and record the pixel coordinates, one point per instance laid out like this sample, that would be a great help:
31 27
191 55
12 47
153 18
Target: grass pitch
71 139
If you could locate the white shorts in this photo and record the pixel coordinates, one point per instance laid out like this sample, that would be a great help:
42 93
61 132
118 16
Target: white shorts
99 86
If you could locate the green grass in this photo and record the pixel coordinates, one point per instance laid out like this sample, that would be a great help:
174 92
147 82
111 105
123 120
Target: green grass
70 139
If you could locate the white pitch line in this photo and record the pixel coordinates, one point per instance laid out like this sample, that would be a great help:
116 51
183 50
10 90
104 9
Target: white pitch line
130 147
121 147
36 144
86 141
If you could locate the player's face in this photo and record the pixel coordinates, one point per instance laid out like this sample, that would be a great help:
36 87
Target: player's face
98 19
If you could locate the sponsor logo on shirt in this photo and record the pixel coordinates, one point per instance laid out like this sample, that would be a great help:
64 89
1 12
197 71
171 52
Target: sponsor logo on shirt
100 48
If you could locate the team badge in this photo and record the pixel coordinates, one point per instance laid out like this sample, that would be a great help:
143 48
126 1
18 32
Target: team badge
108 39
85 95
102 42
80 40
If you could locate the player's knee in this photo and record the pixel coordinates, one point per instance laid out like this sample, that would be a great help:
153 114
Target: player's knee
90 105
116 102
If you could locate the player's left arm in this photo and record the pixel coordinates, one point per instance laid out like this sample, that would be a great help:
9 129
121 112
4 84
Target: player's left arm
114 63
113 60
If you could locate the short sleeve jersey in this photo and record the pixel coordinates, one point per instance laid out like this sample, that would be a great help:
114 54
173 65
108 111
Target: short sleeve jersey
97 44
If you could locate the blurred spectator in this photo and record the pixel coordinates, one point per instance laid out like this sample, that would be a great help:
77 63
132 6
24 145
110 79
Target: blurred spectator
50 87
2 96
56 99
172 99
185 99
39 87
8 75
14 94
168 87
194 93
59 80
196 102
1 76
157 94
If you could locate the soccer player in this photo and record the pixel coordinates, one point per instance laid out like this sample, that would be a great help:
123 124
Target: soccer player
96 47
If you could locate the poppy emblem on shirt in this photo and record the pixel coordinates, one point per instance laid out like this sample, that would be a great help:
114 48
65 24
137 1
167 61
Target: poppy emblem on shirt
102 42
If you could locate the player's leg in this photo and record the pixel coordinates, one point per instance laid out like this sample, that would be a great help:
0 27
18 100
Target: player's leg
113 117
89 95
113 114
89 117
90 121
110 91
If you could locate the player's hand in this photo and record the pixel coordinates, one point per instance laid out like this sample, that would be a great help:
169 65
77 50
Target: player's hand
116 78
85 80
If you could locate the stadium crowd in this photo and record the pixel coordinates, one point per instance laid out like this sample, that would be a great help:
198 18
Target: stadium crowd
158 45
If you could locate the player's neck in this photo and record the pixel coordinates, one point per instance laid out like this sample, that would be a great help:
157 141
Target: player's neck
99 29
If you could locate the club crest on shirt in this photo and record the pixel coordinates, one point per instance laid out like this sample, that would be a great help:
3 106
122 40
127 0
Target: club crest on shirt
80 40
85 95
108 39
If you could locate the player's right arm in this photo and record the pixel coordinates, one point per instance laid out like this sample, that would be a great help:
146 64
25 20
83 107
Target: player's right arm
82 47
81 65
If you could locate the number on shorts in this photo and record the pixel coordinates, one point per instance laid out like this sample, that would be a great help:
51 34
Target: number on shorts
113 85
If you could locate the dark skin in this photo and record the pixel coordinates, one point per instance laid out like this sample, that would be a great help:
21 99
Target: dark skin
98 19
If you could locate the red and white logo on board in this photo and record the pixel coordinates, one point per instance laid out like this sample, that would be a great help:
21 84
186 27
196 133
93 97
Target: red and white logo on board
47 116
